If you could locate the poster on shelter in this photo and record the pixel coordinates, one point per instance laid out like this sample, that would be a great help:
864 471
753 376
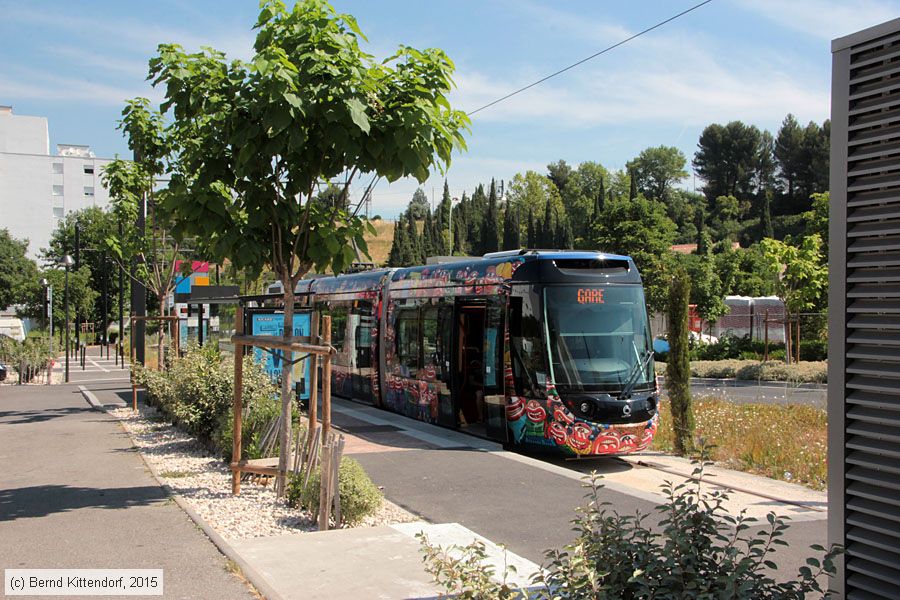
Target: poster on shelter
271 360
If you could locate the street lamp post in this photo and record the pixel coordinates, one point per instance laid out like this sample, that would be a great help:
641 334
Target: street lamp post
66 261
48 309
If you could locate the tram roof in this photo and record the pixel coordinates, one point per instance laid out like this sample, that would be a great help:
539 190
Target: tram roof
546 266
549 266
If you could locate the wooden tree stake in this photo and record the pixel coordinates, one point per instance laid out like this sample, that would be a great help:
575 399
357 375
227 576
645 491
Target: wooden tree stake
238 401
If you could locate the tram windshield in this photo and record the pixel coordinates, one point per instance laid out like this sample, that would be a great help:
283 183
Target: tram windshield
599 337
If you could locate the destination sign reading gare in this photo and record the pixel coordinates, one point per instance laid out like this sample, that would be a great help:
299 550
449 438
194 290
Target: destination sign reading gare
590 296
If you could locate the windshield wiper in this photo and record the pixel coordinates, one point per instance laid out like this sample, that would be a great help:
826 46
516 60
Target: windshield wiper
635 373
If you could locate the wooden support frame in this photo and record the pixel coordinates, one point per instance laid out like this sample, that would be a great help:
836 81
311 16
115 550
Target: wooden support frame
303 344
173 322
174 331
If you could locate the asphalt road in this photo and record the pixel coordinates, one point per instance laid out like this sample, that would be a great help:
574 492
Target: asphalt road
767 393
75 494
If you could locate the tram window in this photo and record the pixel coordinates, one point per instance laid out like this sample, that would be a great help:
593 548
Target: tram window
429 334
338 328
526 345
408 339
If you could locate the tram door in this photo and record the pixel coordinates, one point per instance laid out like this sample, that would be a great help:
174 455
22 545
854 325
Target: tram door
479 364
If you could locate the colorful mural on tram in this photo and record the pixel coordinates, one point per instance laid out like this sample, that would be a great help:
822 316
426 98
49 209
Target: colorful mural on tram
538 349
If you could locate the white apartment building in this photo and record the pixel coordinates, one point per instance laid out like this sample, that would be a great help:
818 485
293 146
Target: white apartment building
37 189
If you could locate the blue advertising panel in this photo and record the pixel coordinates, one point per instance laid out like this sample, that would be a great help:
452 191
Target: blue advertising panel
273 324
185 334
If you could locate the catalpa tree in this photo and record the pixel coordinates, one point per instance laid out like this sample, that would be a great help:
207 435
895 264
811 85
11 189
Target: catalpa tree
258 139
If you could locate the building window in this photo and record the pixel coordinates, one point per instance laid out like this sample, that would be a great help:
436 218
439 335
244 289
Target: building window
57 167
88 190
88 169
57 190
59 212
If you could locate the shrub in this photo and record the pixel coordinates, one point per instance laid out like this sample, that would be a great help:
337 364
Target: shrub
28 358
753 370
359 496
803 372
465 573
726 347
261 407
196 392
813 350
699 550
716 369
777 354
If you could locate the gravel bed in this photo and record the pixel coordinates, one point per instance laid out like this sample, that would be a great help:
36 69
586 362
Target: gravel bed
204 481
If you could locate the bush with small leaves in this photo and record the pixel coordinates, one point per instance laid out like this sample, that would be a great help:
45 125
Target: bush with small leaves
463 572
28 358
360 497
196 392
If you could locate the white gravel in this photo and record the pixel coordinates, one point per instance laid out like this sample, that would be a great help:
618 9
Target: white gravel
204 481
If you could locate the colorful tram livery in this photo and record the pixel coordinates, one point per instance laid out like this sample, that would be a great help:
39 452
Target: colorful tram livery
538 349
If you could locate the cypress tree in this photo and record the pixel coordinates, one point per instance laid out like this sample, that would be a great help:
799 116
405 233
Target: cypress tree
412 254
547 230
442 222
765 220
490 237
532 229
632 188
395 258
601 200
511 237
461 227
476 213
678 366
428 241
703 239
563 238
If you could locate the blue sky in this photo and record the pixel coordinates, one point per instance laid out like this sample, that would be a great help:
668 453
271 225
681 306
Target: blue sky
754 60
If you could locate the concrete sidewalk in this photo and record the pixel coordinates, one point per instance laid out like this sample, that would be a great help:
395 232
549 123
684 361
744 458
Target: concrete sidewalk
74 494
365 562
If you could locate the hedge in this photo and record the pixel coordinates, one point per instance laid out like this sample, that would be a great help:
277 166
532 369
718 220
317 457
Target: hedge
754 370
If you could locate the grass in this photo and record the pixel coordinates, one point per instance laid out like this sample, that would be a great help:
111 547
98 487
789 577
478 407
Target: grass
786 442
176 474
380 244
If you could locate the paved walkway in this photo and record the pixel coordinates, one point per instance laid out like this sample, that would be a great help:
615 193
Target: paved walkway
74 494
97 367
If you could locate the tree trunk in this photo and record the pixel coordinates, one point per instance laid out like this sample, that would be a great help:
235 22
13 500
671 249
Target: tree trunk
160 344
284 435
788 343
678 367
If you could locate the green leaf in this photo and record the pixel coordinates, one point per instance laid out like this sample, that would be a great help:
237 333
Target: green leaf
358 114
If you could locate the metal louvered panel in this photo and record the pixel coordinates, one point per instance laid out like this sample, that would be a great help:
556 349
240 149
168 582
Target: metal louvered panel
864 305
861 595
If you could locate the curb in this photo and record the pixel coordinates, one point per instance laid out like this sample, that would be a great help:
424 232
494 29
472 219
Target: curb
248 571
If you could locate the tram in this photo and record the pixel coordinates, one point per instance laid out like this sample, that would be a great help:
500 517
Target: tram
541 350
